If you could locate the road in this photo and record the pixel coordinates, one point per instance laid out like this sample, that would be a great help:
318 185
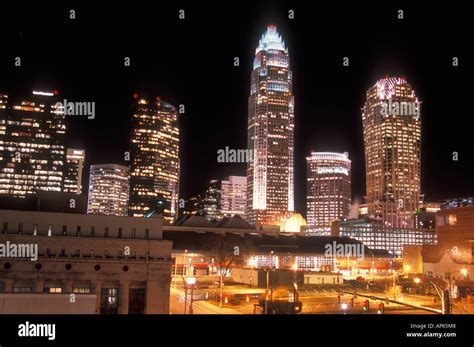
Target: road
199 306
314 302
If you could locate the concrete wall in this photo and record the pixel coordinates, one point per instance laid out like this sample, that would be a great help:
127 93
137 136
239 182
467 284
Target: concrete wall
45 220
323 278
276 277
47 304
246 276
69 260
455 230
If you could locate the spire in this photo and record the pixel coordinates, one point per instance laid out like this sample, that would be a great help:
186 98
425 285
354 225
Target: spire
271 39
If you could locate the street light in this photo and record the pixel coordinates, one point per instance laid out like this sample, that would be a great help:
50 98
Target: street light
294 267
295 295
184 262
268 270
344 307
191 281
445 306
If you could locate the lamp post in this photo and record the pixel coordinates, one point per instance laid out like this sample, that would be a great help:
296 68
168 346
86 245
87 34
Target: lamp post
185 294
184 262
393 285
294 267
191 281
445 305
251 262
295 286
175 270
268 270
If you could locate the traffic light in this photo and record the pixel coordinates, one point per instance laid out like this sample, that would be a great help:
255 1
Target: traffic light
297 296
339 298
381 308
366 305
352 302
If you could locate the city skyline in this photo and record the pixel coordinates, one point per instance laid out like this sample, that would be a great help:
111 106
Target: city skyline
278 157
328 124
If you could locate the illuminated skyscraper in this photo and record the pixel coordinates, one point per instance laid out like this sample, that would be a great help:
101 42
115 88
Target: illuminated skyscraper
233 196
154 144
32 144
328 188
108 190
391 119
270 176
73 170
225 198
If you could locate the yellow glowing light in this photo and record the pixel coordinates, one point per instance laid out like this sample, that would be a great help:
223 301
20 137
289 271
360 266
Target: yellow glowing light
294 267
252 262
417 280
464 272
407 268
294 223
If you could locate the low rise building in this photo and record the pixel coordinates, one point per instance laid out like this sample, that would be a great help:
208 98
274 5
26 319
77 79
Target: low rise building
83 264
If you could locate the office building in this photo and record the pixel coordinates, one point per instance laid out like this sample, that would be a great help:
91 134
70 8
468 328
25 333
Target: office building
73 170
391 119
328 188
32 144
154 175
108 190
270 175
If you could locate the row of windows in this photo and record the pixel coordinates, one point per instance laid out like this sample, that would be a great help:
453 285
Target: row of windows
78 231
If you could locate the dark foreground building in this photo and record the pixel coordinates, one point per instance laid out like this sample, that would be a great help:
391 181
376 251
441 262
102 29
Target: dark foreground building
83 264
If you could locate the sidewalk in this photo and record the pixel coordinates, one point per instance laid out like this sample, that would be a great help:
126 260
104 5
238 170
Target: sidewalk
203 307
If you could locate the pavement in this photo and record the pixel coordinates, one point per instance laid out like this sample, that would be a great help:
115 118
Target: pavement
316 300
199 306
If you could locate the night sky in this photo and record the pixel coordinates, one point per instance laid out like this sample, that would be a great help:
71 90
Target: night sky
190 62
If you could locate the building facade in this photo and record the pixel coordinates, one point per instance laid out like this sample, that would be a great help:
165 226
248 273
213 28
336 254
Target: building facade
328 188
154 176
225 198
233 196
270 175
108 190
193 206
376 235
455 229
451 259
111 264
73 170
425 215
32 144
391 119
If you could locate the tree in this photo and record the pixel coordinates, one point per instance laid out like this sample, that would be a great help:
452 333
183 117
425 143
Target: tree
227 251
